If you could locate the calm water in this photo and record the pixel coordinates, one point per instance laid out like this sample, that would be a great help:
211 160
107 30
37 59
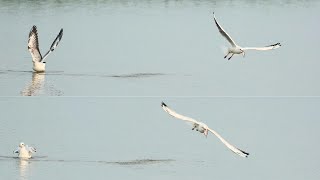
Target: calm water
158 48
119 59
133 138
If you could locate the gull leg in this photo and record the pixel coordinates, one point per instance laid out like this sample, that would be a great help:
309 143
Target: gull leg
226 55
230 56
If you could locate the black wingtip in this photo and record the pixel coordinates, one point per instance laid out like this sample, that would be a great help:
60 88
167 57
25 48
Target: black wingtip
163 104
276 44
61 32
247 154
34 28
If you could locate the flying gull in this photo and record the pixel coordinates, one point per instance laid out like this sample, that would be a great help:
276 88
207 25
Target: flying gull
236 49
203 128
33 46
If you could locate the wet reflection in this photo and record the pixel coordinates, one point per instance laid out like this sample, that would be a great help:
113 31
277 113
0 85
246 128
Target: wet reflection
39 86
35 87
23 168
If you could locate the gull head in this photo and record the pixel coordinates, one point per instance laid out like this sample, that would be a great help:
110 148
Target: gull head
21 144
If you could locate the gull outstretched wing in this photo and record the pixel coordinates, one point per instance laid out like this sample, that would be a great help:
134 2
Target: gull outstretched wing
33 45
176 115
54 44
223 32
266 48
231 147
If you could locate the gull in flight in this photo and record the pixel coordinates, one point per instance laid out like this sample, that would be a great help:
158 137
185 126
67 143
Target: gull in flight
235 49
33 46
24 151
203 128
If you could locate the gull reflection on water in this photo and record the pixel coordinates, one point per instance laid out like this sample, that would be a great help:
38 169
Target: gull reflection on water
23 168
35 87
38 86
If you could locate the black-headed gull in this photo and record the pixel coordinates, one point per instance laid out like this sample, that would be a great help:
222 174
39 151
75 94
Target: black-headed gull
236 49
33 46
24 151
203 128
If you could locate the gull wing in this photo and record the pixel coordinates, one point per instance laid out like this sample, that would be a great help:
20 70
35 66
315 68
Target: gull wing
176 115
223 32
266 48
31 149
17 150
33 45
54 44
231 147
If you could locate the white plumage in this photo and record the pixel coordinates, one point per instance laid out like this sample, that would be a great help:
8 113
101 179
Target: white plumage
25 151
203 128
33 46
236 49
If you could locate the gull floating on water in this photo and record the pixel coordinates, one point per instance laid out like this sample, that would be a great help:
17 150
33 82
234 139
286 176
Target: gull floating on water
24 151
235 49
33 46
203 128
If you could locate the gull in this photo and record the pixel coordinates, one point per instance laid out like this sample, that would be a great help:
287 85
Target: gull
203 128
24 151
33 46
236 49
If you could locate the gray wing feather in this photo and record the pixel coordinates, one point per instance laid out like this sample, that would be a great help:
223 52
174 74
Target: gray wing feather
32 149
54 44
266 48
176 115
33 45
17 150
224 33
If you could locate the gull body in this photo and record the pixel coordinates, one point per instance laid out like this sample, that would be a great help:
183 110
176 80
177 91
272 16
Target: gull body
39 65
24 151
203 128
236 49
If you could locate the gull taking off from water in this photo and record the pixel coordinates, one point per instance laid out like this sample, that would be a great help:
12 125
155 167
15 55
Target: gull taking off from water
33 46
24 151
203 128
235 49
